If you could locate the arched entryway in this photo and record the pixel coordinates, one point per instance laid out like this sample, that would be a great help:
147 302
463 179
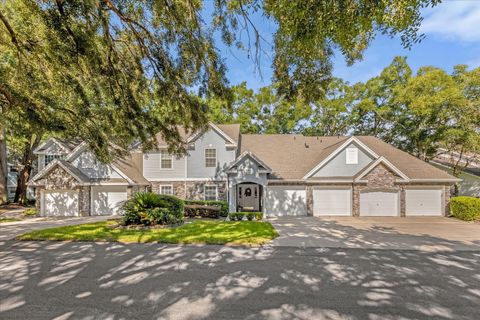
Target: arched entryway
249 196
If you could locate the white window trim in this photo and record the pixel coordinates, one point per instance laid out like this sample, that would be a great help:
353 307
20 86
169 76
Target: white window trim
55 156
353 161
205 192
205 156
171 159
165 185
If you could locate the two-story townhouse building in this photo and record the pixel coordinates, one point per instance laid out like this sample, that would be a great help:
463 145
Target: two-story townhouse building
280 175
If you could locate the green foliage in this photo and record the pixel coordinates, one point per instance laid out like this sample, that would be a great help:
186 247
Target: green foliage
108 71
236 216
149 208
5 220
30 212
239 216
161 216
310 31
465 208
193 208
209 232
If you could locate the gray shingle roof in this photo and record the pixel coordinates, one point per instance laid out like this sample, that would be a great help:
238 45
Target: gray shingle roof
293 156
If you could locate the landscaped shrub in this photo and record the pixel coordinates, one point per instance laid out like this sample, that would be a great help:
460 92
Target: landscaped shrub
206 208
236 216
258 216
30 212
465 208
149 208
239 216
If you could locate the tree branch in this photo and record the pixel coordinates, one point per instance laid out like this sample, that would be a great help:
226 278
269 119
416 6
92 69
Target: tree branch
13 36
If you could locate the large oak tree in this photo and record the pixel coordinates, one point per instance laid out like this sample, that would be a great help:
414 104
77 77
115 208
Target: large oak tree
111 71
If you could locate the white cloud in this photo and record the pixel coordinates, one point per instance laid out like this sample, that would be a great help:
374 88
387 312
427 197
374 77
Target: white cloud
453 20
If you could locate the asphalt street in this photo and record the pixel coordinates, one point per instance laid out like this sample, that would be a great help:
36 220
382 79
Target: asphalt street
68 280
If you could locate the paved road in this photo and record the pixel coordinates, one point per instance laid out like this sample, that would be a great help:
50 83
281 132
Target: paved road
419 233
10 230
65 280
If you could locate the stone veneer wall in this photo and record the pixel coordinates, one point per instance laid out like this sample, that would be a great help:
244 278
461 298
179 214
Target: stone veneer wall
379 179
192 190
447 194
59 179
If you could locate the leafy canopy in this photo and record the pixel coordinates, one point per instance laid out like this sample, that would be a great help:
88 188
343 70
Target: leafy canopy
111 71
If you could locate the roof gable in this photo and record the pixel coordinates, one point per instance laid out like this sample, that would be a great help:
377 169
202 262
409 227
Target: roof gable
74 172
337 166
335 152
52 146
381 160
229 140
261 165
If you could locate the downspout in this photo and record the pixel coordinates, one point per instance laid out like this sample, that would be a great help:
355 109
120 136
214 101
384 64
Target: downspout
185 176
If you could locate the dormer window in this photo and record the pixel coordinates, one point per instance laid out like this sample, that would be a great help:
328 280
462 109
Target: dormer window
50 157
351 156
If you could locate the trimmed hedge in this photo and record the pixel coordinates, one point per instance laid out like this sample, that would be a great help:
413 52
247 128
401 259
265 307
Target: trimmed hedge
149 208
239 216
465 208
206 208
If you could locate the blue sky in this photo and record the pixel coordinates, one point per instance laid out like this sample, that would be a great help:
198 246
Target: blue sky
452 32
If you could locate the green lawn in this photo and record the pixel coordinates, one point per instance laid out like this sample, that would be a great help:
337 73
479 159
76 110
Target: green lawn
209 232
3 219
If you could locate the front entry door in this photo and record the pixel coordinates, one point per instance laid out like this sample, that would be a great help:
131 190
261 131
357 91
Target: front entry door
248 196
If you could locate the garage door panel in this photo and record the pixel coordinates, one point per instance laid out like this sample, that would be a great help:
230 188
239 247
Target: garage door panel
379 204
423 202
332 202
60 203
108 200
285 201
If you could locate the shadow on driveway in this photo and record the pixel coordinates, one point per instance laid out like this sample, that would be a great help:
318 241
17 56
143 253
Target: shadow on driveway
419 233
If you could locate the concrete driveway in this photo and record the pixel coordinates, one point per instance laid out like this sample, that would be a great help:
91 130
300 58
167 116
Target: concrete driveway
412 233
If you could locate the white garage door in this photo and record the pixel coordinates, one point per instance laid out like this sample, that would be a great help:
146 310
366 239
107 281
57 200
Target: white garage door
60 203
286 201
108 200
332 202
423 202
379 204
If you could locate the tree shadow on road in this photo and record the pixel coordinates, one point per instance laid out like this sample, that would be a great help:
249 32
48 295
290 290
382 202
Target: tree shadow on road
68 280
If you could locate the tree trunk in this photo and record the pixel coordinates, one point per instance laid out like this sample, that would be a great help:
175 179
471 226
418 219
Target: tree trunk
3 167
25 170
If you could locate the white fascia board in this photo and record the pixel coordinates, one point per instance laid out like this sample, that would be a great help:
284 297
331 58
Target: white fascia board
231 143
45 169
50 166
436 180
109 184
182 179
254 157
337 151
81 147
305 182
48 142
